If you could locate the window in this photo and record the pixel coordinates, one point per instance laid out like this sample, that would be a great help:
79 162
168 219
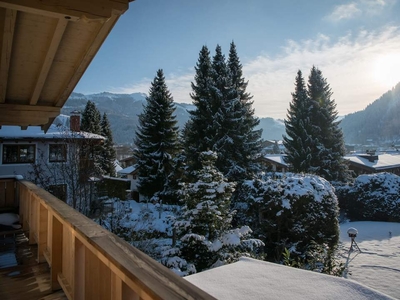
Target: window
18 154
57 153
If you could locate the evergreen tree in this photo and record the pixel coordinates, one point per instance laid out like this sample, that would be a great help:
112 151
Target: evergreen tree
198 130
91 122
226 116
156 141
299 141
314 141
206 213
248 147
328 151
91 119
108 155
223 120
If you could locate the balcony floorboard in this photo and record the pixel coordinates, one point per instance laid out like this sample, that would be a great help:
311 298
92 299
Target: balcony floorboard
21 277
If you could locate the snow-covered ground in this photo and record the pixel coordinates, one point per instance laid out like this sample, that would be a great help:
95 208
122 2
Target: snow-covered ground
378 264
376 268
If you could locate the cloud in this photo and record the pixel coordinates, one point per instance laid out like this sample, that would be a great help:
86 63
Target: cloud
349 63
366 8
345 11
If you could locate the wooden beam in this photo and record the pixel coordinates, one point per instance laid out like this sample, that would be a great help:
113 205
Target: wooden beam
5 49
5 107
27 118
48 61
71 9
86 59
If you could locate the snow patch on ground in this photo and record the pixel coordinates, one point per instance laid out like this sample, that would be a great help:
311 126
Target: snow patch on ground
378 264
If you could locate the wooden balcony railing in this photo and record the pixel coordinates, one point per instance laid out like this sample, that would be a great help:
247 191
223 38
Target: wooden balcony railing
87 261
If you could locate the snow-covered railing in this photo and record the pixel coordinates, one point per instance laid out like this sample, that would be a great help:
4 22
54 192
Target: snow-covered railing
89 262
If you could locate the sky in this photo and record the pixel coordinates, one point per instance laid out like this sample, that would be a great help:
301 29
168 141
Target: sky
355 43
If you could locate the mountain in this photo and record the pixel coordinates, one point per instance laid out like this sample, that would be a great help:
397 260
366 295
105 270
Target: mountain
378 123
123 110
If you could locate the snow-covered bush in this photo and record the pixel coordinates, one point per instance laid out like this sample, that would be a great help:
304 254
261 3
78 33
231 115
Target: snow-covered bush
374 197
292 212
205 236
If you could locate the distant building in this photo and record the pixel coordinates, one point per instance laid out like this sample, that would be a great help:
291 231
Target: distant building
131 173
21 149
370 163
274 162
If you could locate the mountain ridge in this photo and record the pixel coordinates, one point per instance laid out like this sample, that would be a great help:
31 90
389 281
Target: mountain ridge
123 109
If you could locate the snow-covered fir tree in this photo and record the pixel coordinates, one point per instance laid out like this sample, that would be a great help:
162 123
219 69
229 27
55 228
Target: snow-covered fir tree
248 146
328 151
91 122
91 119
198 130
314 142
223 120
157 143
299 141
204 227
108 155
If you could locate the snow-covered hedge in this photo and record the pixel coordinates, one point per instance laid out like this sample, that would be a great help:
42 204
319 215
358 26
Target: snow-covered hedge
374 197
291 212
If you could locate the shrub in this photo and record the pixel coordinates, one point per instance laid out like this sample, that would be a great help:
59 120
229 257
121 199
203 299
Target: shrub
374 197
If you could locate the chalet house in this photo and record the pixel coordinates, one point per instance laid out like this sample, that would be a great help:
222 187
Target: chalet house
274 162
370 163
19 149
131 173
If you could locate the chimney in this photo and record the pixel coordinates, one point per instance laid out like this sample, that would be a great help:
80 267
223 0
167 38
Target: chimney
75 121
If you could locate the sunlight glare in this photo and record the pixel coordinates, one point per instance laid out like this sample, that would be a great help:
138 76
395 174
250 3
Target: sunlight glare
387 69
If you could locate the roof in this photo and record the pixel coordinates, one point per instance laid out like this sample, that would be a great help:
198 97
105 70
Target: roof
128 170
255 279
383 161
45 47
56 131
276 158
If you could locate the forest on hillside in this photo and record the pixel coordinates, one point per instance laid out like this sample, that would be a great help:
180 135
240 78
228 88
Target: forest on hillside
378 123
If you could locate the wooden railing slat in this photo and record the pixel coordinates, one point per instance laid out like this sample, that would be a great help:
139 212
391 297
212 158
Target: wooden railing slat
89 262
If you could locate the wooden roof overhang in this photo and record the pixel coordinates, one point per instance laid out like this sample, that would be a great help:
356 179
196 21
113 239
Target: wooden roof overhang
45 47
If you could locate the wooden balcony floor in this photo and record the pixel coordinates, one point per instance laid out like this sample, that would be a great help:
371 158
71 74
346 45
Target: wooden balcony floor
21 277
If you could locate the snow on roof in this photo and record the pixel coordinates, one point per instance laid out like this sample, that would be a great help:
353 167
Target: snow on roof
128 170
384 161
278 158
255 279
54 132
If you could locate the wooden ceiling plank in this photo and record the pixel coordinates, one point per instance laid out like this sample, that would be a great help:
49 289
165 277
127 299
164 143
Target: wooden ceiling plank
86 59
24 118
31 108
71 9
5 50
48 61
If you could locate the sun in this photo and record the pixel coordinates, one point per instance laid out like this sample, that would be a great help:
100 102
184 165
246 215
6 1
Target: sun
387 69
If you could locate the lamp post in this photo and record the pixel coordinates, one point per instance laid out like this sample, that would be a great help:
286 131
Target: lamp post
352 232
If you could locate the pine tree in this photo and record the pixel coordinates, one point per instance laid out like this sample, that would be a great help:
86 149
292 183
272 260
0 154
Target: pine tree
248 147
299 141
108 155
314 141
223 120
329 149
226 117
156 141
206 213
91 119
198 129
91 122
